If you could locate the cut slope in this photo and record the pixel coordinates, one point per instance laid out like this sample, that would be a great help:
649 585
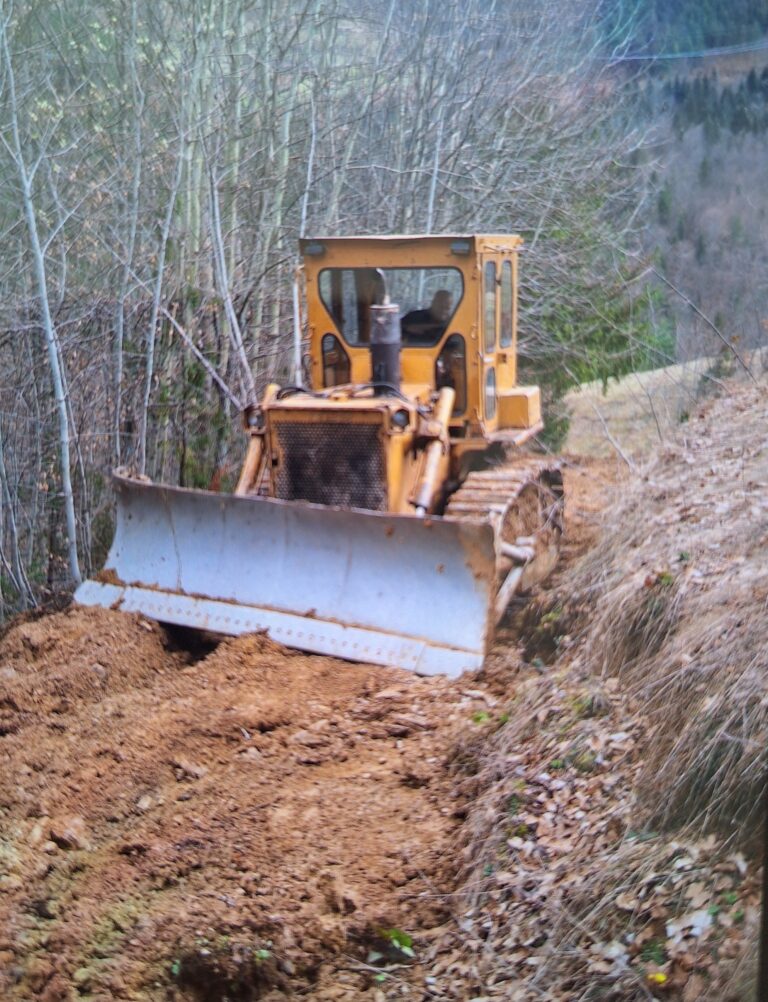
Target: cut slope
609 845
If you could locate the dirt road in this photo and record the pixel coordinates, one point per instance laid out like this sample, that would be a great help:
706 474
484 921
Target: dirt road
238 823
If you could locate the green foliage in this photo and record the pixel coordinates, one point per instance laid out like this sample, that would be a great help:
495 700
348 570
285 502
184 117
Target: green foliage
736 229
583 761
595 331
589 705
400 940
654 952
514 804
557 424
664 206
702 101
200 429
701 249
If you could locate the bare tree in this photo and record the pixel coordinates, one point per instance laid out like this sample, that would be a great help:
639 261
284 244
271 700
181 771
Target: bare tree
25 173
160 160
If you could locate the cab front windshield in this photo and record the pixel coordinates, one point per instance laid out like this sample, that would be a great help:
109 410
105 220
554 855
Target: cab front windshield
428 298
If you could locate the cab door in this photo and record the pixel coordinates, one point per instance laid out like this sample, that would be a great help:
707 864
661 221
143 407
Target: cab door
506 360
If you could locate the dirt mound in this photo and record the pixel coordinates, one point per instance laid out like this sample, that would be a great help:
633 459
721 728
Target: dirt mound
49 662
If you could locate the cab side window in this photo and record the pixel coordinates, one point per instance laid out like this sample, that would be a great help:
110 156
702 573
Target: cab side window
451 370
490 394
507 300
489 304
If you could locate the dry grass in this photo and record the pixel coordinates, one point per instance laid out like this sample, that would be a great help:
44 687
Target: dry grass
640 411
708 754
643 411
678 594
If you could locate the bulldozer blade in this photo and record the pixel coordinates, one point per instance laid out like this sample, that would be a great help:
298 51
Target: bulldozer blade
386 589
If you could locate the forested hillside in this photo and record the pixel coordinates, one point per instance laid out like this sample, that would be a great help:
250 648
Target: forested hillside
159 161
706 221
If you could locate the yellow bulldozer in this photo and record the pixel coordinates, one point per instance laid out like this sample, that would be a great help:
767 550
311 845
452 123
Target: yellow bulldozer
385 511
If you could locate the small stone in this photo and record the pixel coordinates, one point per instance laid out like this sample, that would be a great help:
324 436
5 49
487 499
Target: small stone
188 770
308 740
398 731
83 977
46 908
144 803
38 831
413 721
392 692
70 834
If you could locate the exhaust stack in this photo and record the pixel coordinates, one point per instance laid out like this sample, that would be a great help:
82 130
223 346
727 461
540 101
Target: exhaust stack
386 342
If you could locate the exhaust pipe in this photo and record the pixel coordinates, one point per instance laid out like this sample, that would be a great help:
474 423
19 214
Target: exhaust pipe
386 342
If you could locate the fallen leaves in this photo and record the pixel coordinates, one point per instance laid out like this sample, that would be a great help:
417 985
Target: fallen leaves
569 891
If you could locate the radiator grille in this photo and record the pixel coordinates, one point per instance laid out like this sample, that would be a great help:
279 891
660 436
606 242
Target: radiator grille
331 463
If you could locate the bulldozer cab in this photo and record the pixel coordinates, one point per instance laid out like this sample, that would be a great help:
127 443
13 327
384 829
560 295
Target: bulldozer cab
457 300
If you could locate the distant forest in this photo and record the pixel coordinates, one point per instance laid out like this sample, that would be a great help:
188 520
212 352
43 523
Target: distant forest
689 25
703 101
708 144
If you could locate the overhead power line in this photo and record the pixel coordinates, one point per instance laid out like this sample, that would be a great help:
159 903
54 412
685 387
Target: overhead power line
723 50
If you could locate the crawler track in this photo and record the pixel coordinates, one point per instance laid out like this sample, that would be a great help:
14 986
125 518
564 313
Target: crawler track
523 500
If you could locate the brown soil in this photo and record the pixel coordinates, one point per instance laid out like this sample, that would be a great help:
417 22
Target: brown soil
248 824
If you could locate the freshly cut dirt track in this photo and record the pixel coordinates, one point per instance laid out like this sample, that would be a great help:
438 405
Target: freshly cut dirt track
242 825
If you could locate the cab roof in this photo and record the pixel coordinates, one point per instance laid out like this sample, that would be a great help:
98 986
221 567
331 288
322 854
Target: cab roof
478 241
